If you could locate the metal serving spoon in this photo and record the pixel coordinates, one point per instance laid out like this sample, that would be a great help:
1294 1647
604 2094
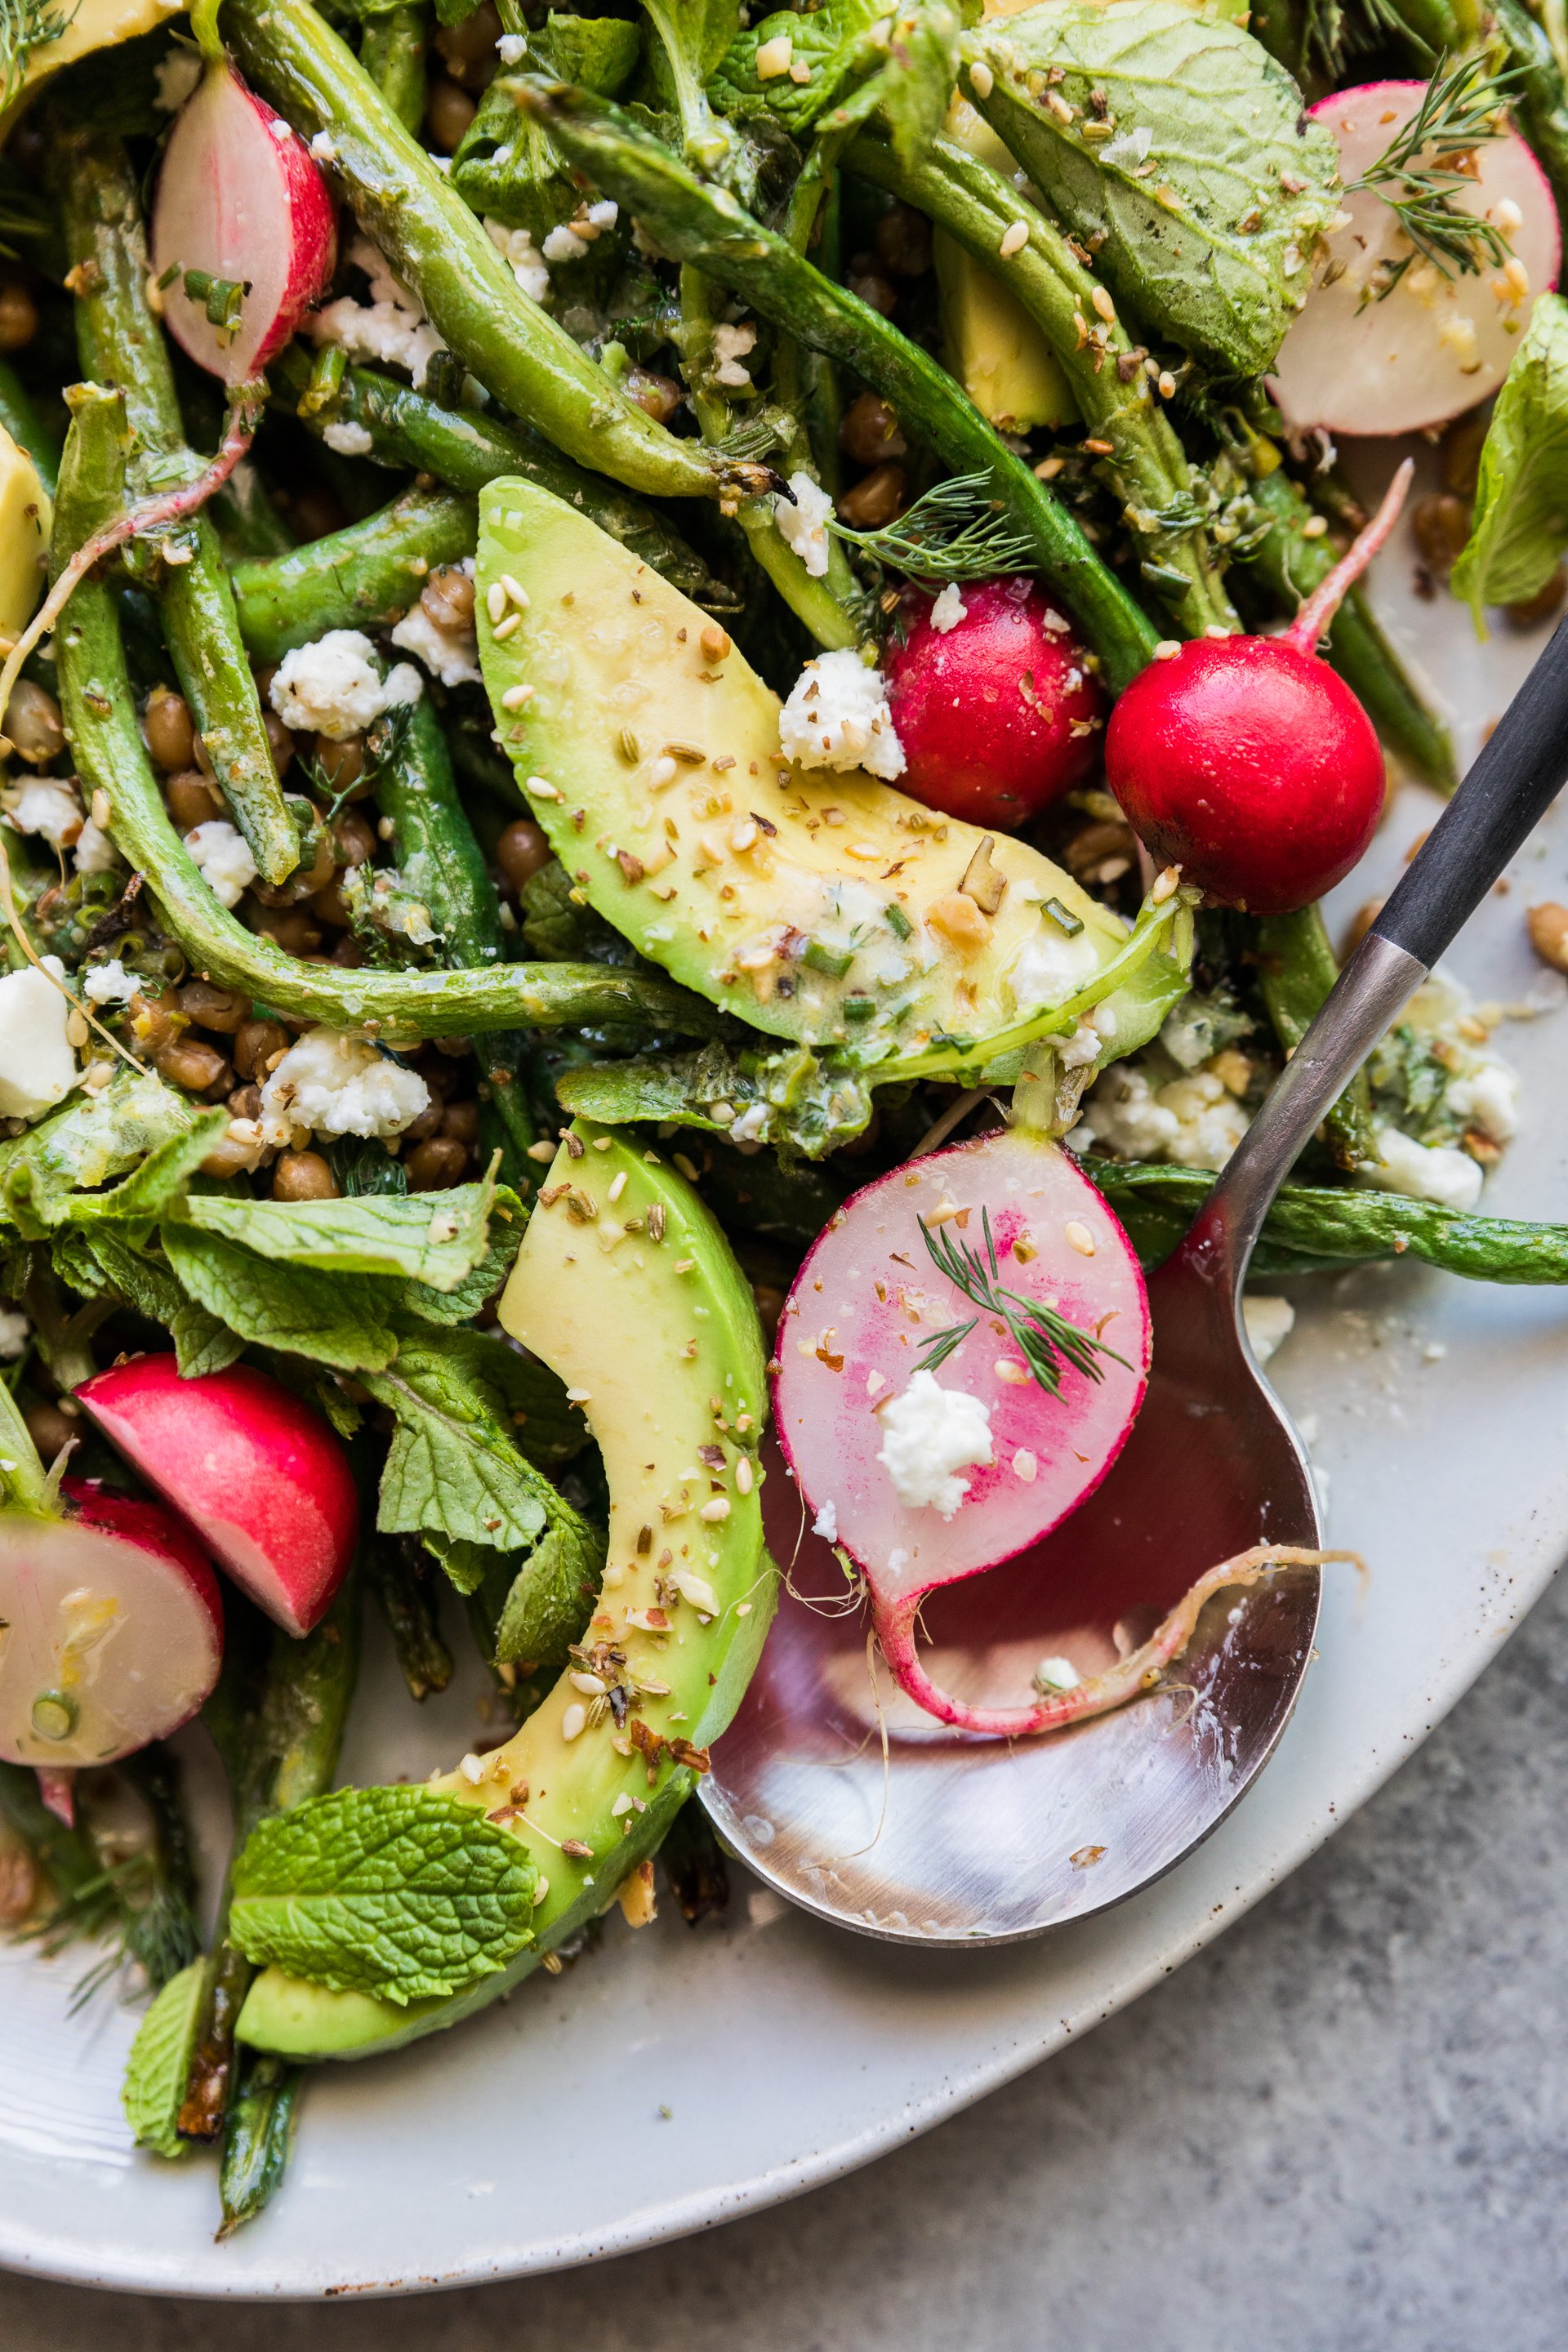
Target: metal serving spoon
851 1801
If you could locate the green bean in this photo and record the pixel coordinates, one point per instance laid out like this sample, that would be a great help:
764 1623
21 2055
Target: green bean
1540 97
399 1007
1147 469
121 343
519 352
465 450
257 2138
706 226
364 577
1292 565
1297 968
391 52
395 1566
1313 1228
25 426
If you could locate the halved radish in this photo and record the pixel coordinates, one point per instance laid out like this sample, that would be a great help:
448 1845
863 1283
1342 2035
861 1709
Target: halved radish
111 1631
1433 345
928 1472
239 200
260 1476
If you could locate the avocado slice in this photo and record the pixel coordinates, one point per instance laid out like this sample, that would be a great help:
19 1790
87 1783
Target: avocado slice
26 515
818 907
627 1287
989 340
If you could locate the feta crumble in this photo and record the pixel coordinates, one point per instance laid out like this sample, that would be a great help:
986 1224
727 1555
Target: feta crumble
801 521
174 79
13 1330
391 326
731 345
109 984
564 245
337 1085
516 246
335 686
451 654
1269 1323
223 856
1192 1122
825 1522
838 717
751 1124
94 852
1422 1171
347 438
46 806
1050 967
929 1434
512 49
37 1069
948 610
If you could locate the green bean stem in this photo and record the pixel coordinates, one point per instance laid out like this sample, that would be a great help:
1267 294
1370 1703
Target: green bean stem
395 1566
517 352
706 226
391 52
121 343
399 1007
364 577
1147 469
1297 968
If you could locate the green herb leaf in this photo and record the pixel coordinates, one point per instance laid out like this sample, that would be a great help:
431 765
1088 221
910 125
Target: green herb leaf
405 1893
160 2062
452 1470
1521 526
1045 1340
827 40
147 1193
102 1262
435 1238
89 1140
333 1318
550 1598
1459 111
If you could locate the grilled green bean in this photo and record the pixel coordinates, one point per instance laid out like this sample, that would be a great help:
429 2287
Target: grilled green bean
391 52
1297 968
364 577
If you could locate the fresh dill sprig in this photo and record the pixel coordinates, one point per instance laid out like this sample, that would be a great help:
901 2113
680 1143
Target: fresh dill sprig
1459 111
26 25
1048 1343
951 534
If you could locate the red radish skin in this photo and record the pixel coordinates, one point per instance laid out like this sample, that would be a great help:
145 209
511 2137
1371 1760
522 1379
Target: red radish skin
998 716
1435 345
850 1339
113 1629
240 197
1248 762
258 1474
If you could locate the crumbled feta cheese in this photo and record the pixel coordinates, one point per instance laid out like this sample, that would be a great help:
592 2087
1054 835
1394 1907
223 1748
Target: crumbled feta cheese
512 49
1192 1122
1056 1674
334 688
948 610
37 1069
929 1434
1420 1171
347 438
517 246
223 856
1050 967
1487 1096
109 984
751 1124
1269 1323
338 1085
451 655
391 326
603 214
731 345
1081 1049
838 717
94 852
564 245
323 148
13 1330
45 805
173 79
825 1522
801 521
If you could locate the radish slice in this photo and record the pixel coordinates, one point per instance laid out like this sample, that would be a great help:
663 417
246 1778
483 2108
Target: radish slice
112 1630
927 1476
240 198
258 1474
1435 345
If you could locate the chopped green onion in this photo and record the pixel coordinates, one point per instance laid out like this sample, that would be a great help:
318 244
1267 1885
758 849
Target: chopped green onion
1071 924
833 962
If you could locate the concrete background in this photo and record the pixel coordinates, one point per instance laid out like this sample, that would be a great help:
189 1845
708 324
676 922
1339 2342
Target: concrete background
1344 2125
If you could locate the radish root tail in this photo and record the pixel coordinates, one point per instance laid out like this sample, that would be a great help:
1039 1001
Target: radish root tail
1316 615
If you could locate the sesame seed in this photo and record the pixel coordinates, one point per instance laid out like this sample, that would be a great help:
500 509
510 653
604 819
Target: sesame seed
1079 1238
1104 305
719 1508
574 1720
515 696
579 1396
1026 1465
541 1890
1166 383
981 80
515 591
504 629
1165 884
1167 649
1013 239
540 790
618 1186
697 1590
744 1481
1009 1369
473 1770
495 602
591 1685
1314 527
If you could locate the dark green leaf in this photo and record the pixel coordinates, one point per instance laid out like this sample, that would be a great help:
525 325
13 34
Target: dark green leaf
333 1318
1521 526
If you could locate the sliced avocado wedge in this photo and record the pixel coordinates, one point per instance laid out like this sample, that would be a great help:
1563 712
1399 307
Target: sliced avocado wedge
819 907
26 515
627 1287
989 340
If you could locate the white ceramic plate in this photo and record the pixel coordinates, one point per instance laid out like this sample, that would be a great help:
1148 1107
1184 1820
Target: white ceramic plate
673 2080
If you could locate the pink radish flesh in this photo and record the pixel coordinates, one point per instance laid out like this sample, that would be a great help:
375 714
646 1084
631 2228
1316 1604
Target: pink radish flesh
113 1633
240 198
260 1477
850 1343
1435 345
1248 762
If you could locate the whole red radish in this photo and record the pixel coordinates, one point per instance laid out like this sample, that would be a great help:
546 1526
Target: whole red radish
1247 762
998 712
909 1405
241 201
258 1474
1386 340
113 1629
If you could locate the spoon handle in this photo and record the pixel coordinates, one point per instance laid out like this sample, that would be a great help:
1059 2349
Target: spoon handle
1514 781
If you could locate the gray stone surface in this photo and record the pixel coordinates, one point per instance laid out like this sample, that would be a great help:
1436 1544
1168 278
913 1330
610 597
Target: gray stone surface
1343 2126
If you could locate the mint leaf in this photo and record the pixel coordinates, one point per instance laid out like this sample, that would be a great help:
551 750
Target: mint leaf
159 2060
452 1470
828 40
434 1238
162 1175
1521 526
551 1598
90 1140
103 1263
405 1893
335 1320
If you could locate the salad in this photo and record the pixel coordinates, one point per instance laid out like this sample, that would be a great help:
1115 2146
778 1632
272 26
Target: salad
678 694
